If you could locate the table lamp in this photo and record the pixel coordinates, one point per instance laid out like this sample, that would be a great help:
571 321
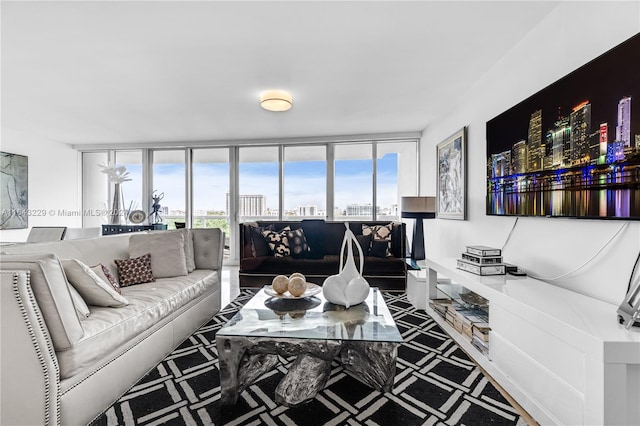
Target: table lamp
418 208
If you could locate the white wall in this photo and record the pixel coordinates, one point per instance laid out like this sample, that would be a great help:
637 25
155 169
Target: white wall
53 181
570 36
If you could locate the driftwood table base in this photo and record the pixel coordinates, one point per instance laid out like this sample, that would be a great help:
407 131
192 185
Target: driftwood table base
243 360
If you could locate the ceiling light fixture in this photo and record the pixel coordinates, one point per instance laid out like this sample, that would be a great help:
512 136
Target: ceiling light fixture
276 100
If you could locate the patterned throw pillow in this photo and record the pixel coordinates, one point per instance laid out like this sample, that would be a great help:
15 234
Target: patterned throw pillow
135 271
278 242
297 243
107 276
379 233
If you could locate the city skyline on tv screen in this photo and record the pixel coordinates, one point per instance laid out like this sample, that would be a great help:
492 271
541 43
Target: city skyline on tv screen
573 148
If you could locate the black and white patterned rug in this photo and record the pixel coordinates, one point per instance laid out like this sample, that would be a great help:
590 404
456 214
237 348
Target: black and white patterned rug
436 384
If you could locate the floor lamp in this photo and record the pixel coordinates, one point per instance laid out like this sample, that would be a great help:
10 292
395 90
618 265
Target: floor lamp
418 208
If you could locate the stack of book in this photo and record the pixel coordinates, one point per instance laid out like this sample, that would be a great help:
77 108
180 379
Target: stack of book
482 260
480 337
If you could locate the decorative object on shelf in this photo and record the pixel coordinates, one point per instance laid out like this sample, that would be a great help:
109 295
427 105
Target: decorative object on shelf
14 174
418 208
154 215
348 287
452 176
116 175
137 216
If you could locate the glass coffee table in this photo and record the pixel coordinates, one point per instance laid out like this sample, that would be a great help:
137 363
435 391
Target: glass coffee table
363 338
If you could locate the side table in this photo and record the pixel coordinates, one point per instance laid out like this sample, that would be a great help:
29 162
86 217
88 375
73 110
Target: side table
417 288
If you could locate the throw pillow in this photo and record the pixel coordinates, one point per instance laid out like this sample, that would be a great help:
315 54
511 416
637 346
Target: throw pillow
167 252
379 249
259 245
297 243
90 286
278 242
78 302
365 244
379 233
135 271
107 276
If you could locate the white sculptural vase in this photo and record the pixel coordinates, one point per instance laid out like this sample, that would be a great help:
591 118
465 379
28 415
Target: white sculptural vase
348 287
117 216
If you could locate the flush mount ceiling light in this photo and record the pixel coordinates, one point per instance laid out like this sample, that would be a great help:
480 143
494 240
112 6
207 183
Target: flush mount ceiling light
276 100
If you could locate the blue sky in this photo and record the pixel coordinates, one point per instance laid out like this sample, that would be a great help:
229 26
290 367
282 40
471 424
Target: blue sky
305 183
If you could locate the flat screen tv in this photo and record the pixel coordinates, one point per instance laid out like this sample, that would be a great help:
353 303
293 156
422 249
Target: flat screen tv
573 148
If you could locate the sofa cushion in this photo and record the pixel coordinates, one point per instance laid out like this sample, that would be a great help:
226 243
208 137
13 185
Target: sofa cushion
107 329
315 231
51 290
379 249
206 241
259 244
278 241
365 244
81 306
135 271
188 249
93 289
107 276
380 233
297 243
166 249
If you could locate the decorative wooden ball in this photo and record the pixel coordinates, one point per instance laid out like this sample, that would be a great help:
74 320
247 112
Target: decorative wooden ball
297 286
298 274
280 284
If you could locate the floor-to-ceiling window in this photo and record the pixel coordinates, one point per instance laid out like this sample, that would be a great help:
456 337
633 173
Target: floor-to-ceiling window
211 188
259 183
353 188
396 171
169 185
336 180
305 182
132 190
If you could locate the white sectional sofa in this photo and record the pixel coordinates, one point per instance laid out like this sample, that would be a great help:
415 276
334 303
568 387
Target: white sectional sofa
63 365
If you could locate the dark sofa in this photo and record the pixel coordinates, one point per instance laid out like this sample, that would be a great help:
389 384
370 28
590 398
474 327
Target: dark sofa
324 239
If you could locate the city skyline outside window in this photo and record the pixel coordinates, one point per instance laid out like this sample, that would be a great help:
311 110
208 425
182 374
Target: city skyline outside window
259 183
210 188
353 189
305 182
169 184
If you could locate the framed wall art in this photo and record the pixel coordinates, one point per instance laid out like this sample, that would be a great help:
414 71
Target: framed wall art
14 194
452 176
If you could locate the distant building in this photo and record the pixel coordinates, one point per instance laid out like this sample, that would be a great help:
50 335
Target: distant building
623 129
360 210
307 210
251 205
519 157
534 142
560 139
580 123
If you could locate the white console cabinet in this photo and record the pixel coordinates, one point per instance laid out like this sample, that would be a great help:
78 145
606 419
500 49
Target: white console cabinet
561 355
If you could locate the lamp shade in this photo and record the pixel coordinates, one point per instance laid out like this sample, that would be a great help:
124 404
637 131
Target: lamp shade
418 207
276 100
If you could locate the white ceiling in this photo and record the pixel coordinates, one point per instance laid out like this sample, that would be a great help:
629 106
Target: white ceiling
174 71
